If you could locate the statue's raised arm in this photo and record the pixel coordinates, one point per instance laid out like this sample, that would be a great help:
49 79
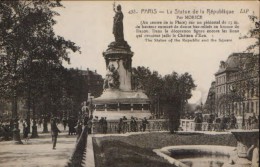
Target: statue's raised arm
118 28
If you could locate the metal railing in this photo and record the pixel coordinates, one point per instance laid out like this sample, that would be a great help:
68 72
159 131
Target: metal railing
78 155
113 126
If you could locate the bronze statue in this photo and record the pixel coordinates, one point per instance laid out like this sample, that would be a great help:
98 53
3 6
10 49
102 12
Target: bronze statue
118 29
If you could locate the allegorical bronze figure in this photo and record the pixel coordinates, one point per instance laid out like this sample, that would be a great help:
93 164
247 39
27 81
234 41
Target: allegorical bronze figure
118 28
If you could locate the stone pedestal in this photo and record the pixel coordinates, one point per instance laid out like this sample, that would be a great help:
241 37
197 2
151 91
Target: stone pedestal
119 56
118 98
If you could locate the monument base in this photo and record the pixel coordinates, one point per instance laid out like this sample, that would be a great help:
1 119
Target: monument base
115 115
114 104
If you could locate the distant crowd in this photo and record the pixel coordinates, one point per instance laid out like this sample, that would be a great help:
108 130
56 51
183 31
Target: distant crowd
122 125
225 122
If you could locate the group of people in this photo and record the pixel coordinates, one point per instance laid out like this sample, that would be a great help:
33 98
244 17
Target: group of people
103 125
75 127
252 122
124 127
5 131
223 123
214 122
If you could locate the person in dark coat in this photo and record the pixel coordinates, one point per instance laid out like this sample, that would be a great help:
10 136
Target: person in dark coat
71 127
54 132
120 125
233 121
64 121
79 129
25 131
105 125
132 124
144 123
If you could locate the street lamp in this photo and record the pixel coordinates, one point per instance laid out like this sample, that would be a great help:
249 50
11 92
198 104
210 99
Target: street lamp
90 104
34 126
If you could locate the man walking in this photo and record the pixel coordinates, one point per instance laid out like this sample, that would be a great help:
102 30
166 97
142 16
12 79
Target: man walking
54 132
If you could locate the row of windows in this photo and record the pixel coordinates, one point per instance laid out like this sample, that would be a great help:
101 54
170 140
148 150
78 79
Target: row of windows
221 89
249 107
220 80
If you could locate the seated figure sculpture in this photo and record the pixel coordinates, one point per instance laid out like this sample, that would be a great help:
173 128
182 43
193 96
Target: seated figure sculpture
112 78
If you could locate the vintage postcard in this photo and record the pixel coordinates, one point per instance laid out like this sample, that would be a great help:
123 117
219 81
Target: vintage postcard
129 83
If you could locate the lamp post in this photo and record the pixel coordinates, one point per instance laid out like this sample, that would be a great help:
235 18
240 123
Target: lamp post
34 126
90 104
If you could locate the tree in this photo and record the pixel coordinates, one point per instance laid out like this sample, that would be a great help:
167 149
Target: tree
176 91
76 88
150 82
253 33
26 34
171 91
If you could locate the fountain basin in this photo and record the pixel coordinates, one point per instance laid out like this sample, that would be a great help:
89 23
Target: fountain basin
245 139
198 155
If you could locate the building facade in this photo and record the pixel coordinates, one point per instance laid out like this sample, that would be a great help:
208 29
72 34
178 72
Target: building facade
236 86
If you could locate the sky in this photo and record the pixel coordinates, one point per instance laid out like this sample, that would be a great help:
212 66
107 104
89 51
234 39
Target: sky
89 25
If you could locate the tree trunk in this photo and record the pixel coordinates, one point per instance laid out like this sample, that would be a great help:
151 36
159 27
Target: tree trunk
45 125
29 108
16 130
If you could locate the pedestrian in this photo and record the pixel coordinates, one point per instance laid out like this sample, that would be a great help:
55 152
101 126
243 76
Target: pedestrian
254 122
71 127
233 122
78 129
64 121
249 121
120 125
125 127
217 124
100 125
40 123
223 123
25 131
210 122
144 123
89 125
54 132
86 119
132 124
105 125
198 122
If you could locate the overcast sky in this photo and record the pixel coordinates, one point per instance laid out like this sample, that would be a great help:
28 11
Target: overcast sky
89 25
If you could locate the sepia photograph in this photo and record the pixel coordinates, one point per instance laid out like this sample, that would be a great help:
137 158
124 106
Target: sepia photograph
129 83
